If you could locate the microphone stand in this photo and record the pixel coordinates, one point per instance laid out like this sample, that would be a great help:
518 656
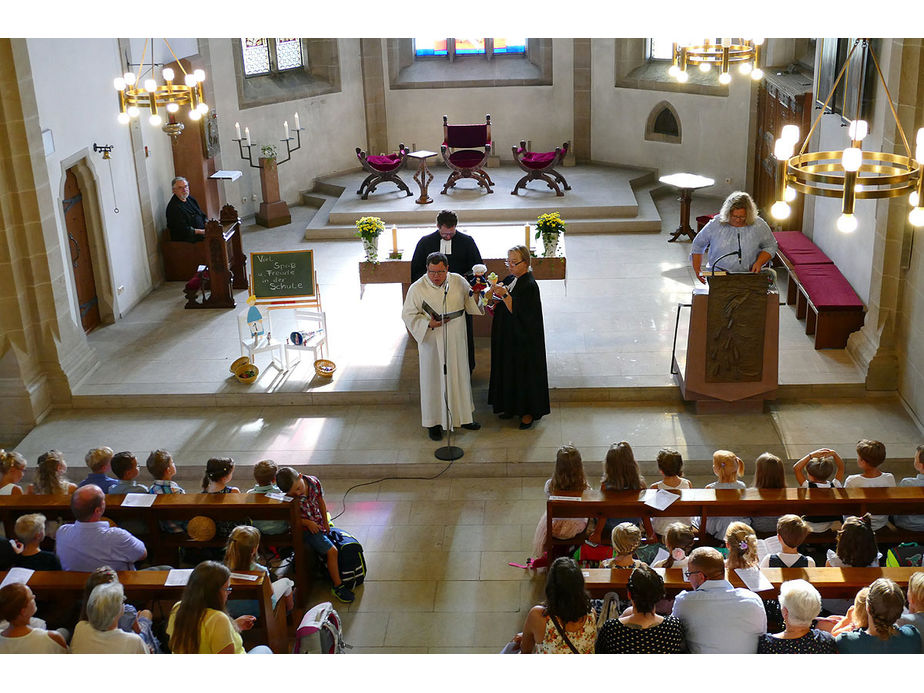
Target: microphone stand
448 452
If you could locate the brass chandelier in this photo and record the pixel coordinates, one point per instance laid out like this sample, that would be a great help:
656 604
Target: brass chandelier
853 173
723 53
135 94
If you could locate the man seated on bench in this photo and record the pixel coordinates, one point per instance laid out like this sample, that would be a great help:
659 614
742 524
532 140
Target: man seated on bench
185 219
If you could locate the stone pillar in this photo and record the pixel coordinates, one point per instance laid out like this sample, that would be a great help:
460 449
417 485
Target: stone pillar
373 71
874 345
582 92
43 351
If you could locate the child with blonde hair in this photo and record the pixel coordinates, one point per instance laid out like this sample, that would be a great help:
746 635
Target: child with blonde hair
49 476
241 554
856 617
99 460
679 540
626 538
914 523
914 614
670 464
12 470
729 469
741 543
567 477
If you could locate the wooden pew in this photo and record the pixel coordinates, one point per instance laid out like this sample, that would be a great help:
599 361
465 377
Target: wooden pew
148 585
162 546
830 582
705 503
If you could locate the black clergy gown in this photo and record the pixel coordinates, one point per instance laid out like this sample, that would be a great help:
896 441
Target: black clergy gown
519 375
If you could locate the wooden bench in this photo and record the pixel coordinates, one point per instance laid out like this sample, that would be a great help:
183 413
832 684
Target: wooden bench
830 582
823 296
163 546
148 585
703 503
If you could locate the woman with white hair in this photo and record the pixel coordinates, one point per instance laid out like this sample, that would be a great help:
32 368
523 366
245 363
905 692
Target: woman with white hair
801 604
737 239
100 633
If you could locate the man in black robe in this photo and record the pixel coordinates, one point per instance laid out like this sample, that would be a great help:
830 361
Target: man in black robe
185 219
462 252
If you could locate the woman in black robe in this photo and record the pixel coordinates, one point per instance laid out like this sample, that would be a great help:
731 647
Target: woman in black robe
519 377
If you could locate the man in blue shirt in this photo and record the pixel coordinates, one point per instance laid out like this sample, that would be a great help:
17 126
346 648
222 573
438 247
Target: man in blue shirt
737 239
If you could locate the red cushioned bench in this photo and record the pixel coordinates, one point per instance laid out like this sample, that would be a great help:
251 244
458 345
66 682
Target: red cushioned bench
830 306
795 248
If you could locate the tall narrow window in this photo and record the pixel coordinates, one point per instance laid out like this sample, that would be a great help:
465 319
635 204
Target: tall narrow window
660 49
264 56
256 56
288 53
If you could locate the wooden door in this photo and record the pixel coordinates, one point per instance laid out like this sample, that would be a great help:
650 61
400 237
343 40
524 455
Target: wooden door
75 225
777 106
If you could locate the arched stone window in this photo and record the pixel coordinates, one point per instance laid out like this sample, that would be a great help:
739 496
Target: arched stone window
663 124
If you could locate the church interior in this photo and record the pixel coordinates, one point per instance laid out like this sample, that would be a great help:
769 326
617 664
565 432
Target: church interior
439 538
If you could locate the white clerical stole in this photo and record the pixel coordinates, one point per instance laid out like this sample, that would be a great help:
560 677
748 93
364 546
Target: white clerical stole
446 246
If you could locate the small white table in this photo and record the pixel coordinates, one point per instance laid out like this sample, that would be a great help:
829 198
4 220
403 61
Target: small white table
423 175
686 183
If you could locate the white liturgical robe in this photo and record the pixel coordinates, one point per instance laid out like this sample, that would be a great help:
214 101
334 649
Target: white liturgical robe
430 349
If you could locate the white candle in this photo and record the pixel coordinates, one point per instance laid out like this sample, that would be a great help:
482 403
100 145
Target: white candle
527 236
394 238
285 129
237 129
297 127
247 135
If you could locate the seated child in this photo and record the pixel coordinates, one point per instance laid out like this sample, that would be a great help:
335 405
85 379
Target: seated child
49 476
741 543
815 470
856 618
161 466
264 473
12 468
670 464
626 538
99 461
914 614
768 473
568 477
791 530
620 473
307 490
870 455
679 541
125 466
30 530
241 554
856 545
913 522
728 467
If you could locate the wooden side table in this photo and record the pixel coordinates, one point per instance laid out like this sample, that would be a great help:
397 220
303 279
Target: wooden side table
423 175
686 183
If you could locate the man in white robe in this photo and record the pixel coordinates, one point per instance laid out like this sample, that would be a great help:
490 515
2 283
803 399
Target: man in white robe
424 301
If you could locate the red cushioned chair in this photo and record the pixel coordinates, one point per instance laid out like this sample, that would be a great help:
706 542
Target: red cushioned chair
382 168
701 221
540 166
465 150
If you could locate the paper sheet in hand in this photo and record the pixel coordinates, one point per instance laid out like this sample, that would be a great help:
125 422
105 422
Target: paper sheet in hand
755 580
662 555
178 576
767 546
279 496
659 498
16 575
244 576
139 500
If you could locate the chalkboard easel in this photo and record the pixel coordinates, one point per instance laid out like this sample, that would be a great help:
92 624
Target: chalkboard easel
284 278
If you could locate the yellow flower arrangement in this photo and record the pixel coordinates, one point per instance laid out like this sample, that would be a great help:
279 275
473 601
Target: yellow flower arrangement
549 223
370 228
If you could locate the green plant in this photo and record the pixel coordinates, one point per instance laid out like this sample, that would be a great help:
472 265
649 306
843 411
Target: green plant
268 151
369 228
549 223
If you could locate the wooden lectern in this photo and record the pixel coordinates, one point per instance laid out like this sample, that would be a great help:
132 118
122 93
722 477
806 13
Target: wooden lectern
733 345
227 265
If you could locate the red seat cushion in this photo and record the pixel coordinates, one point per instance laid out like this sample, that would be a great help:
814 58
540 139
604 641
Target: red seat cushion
793 239
806 256
389 162
538 160
467 158
827 287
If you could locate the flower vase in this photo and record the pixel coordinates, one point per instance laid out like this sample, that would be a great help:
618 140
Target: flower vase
550 243
372 249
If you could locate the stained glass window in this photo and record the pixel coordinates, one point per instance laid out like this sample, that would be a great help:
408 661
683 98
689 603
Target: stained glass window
509 46
430 46
473 46
256 56
288 53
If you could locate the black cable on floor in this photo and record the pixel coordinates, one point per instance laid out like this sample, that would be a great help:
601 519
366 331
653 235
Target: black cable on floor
391 478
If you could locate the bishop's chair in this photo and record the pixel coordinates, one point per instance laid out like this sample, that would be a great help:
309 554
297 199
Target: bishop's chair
465 150
541 166
382 168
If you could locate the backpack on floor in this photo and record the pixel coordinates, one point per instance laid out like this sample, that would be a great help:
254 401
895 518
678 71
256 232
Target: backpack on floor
320 631
349 556
907 555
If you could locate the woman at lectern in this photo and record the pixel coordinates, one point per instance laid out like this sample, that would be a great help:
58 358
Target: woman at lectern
737 239
519 377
